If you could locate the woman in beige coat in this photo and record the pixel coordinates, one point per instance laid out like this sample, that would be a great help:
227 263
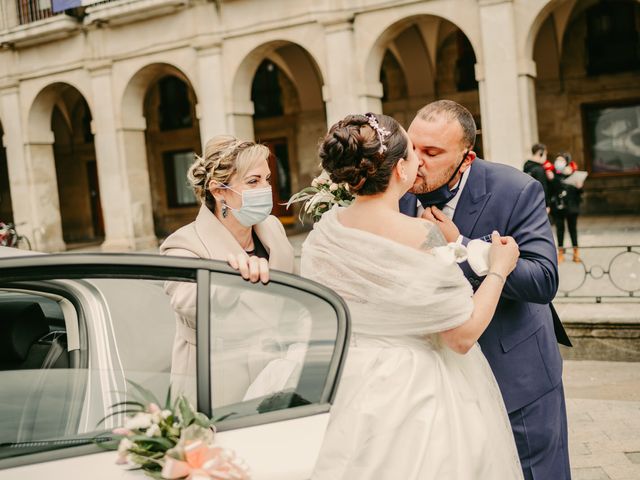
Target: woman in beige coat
234 225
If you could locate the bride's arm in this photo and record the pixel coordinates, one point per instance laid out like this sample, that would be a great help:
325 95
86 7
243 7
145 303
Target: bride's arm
503 258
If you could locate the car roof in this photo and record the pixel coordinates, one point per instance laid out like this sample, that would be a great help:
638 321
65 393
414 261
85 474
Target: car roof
6 252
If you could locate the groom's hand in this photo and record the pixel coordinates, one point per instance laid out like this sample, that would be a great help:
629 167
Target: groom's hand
444 223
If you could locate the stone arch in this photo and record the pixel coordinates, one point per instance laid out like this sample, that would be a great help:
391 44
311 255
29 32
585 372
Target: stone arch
54 94
569 93
428 27
426 56
294 60
167 145
291 132
132 104
61 153
539 13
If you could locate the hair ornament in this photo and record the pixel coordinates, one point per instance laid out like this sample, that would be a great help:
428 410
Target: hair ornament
380 131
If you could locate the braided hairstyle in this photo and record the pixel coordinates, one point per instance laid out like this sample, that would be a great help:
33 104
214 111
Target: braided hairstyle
224 156
352 152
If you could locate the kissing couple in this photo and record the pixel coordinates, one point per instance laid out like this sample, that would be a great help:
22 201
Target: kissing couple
453 371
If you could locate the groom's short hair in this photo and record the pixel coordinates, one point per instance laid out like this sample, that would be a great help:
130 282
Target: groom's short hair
452 111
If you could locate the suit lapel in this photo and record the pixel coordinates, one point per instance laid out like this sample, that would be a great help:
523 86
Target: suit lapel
473 199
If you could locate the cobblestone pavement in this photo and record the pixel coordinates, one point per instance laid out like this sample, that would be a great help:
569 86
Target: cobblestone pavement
603 404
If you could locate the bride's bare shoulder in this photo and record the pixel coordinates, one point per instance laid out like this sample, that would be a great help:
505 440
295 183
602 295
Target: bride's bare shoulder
419 233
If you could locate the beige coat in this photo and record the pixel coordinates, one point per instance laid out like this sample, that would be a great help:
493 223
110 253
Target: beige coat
207 238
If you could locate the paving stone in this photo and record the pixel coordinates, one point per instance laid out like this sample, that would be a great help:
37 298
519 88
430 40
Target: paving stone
592 473
603 410
633 456
618 472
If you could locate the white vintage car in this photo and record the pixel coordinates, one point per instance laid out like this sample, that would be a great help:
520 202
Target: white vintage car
74 328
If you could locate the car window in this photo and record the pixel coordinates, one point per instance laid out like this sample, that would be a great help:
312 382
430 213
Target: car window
55 391
33 339
271 348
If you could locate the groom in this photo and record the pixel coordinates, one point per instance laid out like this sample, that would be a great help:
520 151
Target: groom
467 196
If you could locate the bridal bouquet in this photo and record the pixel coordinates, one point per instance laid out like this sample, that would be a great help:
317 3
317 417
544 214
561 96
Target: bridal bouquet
173 442
320 197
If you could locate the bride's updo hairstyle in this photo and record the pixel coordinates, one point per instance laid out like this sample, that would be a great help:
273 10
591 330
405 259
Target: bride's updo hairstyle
224 156
362 150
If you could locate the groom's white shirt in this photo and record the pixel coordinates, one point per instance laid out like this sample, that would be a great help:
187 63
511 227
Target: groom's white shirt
450 208
477 249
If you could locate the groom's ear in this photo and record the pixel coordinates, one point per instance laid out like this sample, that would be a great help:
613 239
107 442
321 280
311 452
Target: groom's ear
471 156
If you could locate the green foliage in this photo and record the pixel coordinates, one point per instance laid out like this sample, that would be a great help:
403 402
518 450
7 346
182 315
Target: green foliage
320 197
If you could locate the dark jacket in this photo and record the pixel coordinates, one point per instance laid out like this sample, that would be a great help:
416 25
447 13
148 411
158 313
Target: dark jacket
565 198
520 342
536 170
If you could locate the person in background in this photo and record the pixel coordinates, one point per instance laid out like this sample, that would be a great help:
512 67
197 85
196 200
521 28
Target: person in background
535 167
565 203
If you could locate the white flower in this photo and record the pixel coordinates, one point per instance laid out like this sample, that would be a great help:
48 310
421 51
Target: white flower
314 182
153 431
124 446
123 451
333 187
139 421
323 178
165 414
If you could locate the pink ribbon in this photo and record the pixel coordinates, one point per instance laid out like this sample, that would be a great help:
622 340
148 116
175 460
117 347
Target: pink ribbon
205 462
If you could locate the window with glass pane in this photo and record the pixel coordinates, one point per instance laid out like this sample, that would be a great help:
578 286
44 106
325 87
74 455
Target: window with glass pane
68 349
272 347
178 189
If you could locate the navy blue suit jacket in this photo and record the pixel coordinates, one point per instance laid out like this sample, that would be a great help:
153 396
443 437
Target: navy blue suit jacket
519 343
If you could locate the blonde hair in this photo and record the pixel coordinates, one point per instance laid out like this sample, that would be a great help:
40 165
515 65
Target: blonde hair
224 156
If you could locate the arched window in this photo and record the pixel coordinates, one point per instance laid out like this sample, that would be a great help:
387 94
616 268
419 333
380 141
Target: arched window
612 38
465 65
394 85
174 110
266 93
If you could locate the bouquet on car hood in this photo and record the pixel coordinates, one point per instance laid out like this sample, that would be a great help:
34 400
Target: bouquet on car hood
173 442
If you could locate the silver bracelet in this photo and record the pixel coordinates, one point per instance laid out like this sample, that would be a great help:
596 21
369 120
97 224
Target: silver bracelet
497 275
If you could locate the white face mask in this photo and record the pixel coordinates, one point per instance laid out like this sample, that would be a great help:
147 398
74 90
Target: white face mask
560 165
257 204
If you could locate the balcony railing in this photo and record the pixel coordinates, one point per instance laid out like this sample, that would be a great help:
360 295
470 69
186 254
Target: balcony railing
32 10
14 13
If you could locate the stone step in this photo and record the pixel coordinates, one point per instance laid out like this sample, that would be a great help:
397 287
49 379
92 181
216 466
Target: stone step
601 331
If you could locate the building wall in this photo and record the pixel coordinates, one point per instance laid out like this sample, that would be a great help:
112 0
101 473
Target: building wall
331 52
563 87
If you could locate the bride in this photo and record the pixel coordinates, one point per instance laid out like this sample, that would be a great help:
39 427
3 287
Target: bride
417 399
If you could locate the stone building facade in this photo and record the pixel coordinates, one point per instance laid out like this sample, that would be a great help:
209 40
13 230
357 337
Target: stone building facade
102 107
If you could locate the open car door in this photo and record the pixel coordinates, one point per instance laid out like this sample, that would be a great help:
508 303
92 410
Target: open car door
76 329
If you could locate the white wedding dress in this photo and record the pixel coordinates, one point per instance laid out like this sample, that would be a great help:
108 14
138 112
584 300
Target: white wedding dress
407 406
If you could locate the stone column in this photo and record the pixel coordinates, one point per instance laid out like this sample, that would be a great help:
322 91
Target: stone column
340 92
371 97
527 90
123 175
211 105
501 106
32 177
240 119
